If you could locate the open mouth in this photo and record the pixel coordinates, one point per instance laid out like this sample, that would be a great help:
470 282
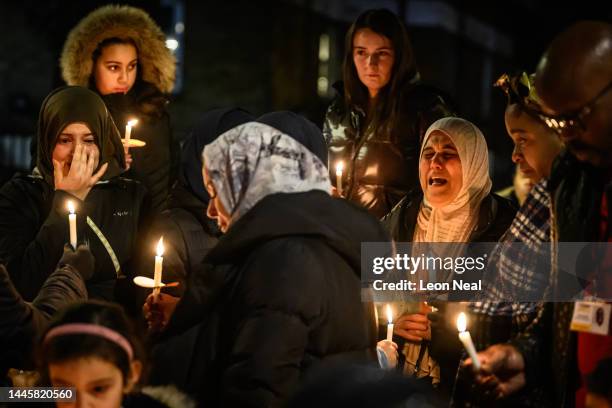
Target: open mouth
437 181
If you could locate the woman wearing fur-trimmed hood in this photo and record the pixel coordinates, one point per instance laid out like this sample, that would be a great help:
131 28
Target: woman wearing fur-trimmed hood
120 52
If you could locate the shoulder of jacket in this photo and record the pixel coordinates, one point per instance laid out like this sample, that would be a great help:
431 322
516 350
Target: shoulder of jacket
424 96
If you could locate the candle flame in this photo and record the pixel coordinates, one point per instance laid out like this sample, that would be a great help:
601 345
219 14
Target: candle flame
132 122
461 322
70 206
389 314
160 247
339 168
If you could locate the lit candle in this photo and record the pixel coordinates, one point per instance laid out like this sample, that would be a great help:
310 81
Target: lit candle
72 224
339 169
159 259
128 129
390 323
466 339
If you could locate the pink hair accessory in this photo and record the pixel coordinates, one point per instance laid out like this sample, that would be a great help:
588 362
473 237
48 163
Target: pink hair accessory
92 329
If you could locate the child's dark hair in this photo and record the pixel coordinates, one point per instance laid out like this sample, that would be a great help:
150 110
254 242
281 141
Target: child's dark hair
72 346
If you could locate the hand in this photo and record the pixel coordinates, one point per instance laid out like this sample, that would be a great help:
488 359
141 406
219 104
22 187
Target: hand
80 178
82 260
502 370
413 327
389 348
128 159
157 310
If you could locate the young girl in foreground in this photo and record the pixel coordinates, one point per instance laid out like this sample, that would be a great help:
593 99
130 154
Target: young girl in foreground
93 348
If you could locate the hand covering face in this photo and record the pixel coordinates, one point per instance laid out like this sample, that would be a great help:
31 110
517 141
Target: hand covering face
74 104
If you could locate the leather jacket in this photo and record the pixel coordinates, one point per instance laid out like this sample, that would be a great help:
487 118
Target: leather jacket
380 167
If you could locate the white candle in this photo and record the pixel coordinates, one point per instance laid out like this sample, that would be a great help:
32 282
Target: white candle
72 224
390 323
466 339
157 274
128 129
339 169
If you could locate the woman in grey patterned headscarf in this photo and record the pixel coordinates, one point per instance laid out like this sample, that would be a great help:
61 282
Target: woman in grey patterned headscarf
281 290
252 161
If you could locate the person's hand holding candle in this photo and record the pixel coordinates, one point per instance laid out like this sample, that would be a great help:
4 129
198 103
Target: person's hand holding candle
414 327
502 370
157 310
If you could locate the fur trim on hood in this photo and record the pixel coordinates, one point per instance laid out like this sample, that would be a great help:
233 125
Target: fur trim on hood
156 63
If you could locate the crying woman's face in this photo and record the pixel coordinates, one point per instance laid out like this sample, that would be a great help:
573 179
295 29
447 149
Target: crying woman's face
440 171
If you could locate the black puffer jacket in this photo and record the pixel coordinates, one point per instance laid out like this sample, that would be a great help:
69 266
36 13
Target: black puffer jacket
380 168
280 293
34 228
495 216
21 323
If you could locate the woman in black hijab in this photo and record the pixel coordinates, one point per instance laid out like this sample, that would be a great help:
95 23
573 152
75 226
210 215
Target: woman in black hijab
79 159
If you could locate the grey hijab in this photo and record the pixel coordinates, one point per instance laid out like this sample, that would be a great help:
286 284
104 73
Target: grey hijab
254 160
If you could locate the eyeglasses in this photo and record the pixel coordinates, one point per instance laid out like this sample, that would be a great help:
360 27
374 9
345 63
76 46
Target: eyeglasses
574 122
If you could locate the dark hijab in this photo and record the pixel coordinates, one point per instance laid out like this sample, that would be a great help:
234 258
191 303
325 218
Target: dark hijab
74 104
300 129
212 124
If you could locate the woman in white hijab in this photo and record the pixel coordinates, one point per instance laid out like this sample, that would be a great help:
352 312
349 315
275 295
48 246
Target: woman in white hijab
454 205
281 290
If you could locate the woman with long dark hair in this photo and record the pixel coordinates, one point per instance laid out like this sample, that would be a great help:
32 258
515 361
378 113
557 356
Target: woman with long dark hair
375 125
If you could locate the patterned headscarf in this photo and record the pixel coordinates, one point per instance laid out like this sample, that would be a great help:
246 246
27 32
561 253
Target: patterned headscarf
520 89
455 221
254 160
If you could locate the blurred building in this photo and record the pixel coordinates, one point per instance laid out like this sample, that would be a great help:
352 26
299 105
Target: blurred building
285 55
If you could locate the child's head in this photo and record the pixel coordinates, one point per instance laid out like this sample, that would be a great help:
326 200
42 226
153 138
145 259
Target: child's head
92 347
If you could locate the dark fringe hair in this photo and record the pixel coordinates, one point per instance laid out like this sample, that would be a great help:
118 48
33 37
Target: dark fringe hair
404 71
72 347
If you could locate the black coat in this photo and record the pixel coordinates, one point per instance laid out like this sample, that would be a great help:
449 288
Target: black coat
156 164
21 323
495 216
34 228
382 168
280 293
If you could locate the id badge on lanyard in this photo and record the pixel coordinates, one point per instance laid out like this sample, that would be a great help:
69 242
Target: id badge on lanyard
592 317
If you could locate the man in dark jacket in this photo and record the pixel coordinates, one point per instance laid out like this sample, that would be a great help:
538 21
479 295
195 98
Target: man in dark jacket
574 81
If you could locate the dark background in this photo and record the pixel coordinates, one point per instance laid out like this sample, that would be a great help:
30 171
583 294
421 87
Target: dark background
264 55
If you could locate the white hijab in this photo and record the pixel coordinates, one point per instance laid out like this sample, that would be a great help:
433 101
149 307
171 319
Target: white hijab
455 221
254 160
